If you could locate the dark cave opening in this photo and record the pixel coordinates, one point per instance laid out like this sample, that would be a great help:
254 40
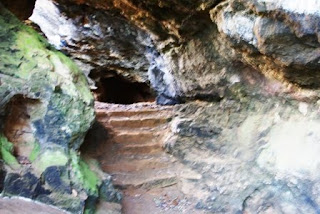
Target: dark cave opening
118 90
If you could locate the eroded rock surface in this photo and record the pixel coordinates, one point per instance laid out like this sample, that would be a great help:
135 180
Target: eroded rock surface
256 157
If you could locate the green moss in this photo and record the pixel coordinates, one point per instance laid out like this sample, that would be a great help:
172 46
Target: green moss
6 152
35 152
89 211
34 52
25 53
29 43
89 177
79 80
84 175
50 158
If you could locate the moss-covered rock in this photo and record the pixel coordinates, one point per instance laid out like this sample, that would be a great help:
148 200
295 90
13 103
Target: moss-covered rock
23 184
53 173
54 157
35 151
30 67
84 176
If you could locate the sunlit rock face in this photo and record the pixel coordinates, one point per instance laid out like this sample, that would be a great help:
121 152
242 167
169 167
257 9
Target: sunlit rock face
309 7
192 49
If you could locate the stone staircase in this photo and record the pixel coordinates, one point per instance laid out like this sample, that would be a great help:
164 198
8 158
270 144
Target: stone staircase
137 138
128 142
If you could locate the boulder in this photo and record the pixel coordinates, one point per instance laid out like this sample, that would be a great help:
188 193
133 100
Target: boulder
46 108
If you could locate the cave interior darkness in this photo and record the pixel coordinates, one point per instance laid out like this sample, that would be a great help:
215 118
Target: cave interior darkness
118 90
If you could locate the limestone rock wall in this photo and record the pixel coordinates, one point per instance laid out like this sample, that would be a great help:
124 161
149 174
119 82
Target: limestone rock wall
258 156
98 40
196 49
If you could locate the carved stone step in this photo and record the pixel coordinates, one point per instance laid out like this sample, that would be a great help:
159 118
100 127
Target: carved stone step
141 114
137 123
105 160
136 165
100 106
136 136
148 148
146 179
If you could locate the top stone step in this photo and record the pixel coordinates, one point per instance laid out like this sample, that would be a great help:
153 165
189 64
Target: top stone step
131 107
134 113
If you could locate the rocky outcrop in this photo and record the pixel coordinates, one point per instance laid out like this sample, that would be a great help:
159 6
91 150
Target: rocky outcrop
199 49
104 44
46 108
117 45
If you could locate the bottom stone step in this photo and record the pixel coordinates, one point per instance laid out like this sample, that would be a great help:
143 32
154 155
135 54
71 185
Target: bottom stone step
145 179
136 165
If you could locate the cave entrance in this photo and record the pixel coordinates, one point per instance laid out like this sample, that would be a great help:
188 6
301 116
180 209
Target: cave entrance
118 90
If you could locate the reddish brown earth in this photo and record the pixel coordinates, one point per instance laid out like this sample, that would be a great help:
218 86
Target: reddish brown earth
19 205
18 127
128 141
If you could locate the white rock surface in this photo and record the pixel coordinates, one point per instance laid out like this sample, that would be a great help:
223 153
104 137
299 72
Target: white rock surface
296 6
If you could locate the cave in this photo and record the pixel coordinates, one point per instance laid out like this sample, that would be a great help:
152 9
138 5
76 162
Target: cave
118 90
229 122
